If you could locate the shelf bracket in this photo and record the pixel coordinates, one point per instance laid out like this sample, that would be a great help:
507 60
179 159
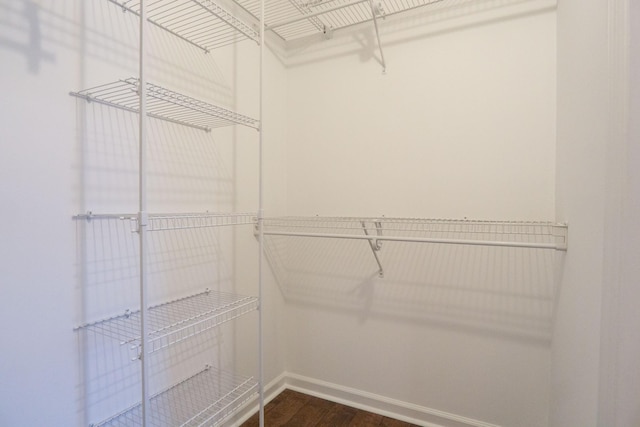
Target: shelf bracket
136 350
375 10
375 245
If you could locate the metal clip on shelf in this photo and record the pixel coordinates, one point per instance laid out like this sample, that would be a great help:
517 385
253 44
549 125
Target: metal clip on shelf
375 244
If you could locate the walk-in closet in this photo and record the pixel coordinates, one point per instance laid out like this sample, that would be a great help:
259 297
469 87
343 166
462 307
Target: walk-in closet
319 213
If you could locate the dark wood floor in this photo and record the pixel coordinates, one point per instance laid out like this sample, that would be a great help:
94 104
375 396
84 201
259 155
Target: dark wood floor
293 409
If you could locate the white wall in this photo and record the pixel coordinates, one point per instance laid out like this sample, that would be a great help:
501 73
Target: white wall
620 343
462 125
62 156
628 374
466 102
581 167
39 66
627 352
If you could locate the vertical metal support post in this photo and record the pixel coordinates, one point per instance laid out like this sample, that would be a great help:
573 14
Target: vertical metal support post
143 220
261 224
375 24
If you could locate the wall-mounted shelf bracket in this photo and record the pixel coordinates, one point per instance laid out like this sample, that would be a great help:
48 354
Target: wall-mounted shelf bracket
377 10
328 32
136 351
375 244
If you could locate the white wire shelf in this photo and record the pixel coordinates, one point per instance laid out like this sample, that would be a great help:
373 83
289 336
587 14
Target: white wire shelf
525 234
206 398
203 23
517 234
175 321
293 19
180 221
160 222
165 104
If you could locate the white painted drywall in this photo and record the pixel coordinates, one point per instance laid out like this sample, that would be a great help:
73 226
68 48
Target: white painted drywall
462 125
619 377
627 407
462 107
581 162
37 133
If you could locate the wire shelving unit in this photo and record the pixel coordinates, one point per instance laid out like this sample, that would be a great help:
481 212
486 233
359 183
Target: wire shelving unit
206 398
210 396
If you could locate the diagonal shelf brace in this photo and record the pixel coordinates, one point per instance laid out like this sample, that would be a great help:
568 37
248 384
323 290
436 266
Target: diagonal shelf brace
375 24
375 247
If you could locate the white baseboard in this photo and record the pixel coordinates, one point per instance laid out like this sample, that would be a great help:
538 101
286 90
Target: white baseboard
414 414
392 408
271 390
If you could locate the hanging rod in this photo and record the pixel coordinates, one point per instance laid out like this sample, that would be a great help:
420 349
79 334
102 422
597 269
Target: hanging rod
517 234
555 246
91 215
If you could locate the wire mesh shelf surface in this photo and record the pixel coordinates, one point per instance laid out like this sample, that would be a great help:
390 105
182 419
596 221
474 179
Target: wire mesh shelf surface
180 221
203 23
176 320
530 234
198 220
206 398
292 19
165 104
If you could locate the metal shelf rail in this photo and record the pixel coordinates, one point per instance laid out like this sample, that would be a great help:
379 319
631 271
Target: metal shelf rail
206 398
178 221
164 104
518 234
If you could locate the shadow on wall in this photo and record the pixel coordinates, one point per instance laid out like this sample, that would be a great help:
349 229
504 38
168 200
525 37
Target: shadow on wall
107 41
25 33
496 290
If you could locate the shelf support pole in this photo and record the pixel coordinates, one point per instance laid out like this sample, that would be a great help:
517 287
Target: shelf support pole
143 220
261 221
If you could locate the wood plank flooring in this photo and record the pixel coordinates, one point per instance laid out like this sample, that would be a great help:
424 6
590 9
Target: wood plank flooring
293 409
